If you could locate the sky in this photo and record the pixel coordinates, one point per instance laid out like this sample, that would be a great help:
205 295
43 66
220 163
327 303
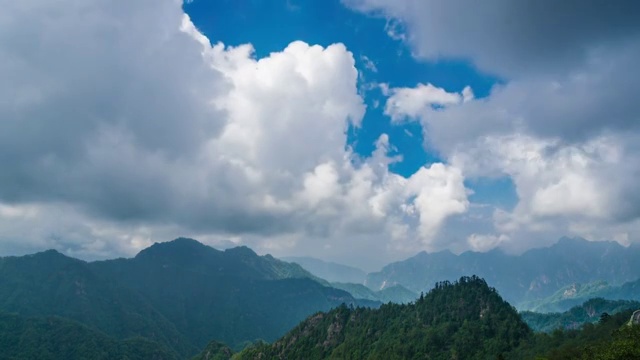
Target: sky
357 131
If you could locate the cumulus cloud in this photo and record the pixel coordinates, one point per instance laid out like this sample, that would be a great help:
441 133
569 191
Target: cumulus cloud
122 124
562 124
483 243
565 184
409 103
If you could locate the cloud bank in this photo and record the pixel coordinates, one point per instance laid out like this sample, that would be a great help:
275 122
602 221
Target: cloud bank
563 124
122 124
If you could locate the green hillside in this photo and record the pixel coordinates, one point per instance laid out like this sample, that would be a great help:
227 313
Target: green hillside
53 338
233 296
576 294
462 320
589 312
181 294
608 339
50 283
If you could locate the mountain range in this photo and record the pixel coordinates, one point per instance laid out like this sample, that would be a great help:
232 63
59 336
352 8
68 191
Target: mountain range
351 280
535 274
574 294
176 298
180 294
590 311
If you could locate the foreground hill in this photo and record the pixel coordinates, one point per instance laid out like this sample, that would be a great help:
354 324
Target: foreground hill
181 294
536 274
51 338
462 320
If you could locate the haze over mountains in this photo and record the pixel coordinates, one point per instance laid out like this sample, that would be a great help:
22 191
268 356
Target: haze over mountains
535 274
330 271
577 293
550 279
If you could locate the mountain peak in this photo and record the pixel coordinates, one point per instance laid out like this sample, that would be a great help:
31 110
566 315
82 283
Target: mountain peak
579 242
468 303
183 241
51 254
241 250
178 247
565 240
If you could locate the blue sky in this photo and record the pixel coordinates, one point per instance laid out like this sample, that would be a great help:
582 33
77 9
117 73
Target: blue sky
271 25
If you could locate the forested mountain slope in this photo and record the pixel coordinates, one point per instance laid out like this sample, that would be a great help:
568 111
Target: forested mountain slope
53 338
462 320
590 311
181 294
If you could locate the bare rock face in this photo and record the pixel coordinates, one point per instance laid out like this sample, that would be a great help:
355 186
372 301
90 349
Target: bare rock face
635 318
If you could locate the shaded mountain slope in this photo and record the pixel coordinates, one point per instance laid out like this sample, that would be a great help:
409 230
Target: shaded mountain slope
233 296
56 338
50 283
181 294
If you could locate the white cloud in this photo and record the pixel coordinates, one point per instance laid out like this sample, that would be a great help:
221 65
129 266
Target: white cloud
122 125
562 123
483 243
369 64
439 193
412 102
551 179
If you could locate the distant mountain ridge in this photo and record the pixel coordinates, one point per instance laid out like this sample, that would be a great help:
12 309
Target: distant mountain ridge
535 274
590 311
575 294
397 294
351 279
330 271
181 294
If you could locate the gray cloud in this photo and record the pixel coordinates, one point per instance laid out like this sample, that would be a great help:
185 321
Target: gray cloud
512 37
90 76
